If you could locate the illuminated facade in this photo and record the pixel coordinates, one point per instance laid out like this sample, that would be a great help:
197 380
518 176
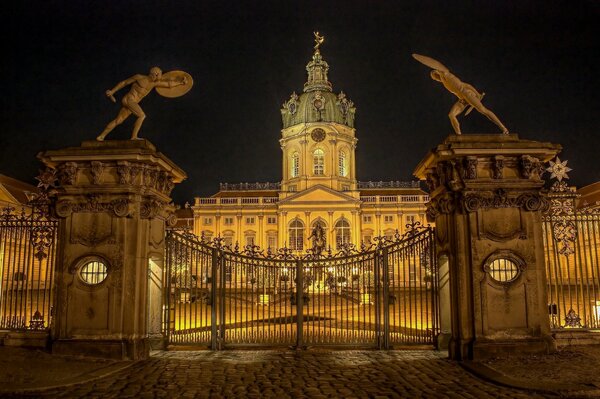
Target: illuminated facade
319 184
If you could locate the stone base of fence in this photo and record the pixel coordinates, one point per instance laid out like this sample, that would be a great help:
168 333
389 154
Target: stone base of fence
27 339
569 337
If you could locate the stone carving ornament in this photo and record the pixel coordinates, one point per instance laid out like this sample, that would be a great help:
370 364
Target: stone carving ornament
96 169
501 199
292 104
68 173
120 207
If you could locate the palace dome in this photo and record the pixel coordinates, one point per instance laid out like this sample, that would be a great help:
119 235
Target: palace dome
318 103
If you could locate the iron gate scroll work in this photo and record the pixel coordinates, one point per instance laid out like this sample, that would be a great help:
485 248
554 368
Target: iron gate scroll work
377 296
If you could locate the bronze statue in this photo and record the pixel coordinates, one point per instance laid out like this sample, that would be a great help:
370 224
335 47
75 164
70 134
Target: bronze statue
171 84
467 94
318 236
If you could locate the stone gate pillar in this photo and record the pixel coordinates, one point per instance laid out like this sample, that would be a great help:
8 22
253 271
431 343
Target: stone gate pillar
113 202
486 201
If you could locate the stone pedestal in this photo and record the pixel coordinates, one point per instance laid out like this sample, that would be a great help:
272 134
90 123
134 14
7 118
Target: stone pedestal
113 201
486 202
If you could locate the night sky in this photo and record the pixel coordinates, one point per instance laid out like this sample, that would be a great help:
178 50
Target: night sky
537 62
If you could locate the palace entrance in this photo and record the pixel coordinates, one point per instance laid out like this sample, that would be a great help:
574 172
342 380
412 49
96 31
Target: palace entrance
381 296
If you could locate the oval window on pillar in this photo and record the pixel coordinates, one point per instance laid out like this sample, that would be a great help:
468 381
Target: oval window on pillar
92 270
504 266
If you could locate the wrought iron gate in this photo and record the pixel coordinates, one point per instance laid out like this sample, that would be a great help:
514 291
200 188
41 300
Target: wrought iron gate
572 251
27 253
379 296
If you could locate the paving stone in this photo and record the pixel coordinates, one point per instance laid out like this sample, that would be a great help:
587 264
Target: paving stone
283 374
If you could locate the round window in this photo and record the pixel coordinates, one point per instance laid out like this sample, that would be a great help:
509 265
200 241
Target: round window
503 270
504 266
93 271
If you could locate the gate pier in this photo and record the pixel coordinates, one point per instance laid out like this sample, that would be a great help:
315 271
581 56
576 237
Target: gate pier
113 202
486 201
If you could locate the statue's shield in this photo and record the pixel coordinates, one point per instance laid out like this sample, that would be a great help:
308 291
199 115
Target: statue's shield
176 91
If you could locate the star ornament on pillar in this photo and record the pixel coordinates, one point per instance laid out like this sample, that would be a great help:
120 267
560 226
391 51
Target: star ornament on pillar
47 178
558 169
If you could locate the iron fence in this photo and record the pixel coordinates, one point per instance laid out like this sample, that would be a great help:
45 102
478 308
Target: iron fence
571 242
379 296
27 254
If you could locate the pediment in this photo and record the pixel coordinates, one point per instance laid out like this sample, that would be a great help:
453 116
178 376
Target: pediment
318 194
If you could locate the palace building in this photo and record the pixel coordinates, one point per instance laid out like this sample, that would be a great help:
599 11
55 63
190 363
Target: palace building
319 184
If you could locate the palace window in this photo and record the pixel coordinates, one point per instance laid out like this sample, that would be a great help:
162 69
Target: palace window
272 241
250 220
367 218
207 221
410 219
367 239
296 234
207 235
318 162
271 220
295 165
389 234
342 233
388 218
228 238
250 238
228 221
342 163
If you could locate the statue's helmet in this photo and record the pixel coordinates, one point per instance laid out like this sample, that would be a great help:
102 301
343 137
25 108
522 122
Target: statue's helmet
155 73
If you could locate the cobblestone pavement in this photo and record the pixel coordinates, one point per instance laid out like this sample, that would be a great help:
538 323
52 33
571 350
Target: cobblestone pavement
290 374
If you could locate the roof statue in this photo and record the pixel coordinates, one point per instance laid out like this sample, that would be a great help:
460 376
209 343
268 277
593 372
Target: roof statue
467 95
318 41
318 240
171 84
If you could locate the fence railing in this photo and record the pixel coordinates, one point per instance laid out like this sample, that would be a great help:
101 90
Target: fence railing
572 252
27 254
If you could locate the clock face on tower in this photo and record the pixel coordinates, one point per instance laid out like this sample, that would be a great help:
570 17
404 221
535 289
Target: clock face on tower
318 135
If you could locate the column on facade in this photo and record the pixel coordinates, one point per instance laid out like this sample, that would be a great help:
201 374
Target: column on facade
378 231
238 233
261 230
359 227
353 229
330 238
282 230
334 170
307 230
217 225
399 223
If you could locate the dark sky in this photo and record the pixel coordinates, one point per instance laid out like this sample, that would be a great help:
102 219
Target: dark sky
537 62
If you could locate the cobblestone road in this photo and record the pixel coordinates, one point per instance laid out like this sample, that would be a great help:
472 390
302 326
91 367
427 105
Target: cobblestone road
288 374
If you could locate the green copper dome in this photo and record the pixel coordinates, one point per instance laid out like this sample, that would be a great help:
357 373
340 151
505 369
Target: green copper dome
318 103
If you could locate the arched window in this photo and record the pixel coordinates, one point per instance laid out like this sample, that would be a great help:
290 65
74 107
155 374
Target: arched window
342 233
343 170
296 234
295 165
318 162
228 238
321 223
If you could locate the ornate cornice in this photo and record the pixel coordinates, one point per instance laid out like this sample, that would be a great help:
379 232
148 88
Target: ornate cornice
119 207
530 201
